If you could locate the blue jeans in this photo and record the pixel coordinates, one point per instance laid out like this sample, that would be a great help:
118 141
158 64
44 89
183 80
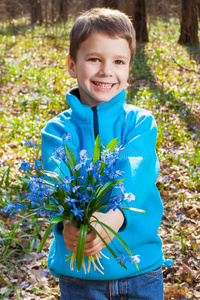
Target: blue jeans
148 286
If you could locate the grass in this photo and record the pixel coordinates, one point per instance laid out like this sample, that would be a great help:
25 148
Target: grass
34 81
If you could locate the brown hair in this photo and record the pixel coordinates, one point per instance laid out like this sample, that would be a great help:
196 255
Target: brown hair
113 23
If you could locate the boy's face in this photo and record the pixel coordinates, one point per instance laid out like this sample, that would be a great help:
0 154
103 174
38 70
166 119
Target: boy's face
101 68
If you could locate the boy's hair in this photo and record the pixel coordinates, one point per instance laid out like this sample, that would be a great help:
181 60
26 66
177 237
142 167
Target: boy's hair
110 22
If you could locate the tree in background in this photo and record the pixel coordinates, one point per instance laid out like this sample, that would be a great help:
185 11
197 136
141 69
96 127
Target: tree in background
63 10
198 8
140 22
36 12
189 22
110 3
10 8
137 11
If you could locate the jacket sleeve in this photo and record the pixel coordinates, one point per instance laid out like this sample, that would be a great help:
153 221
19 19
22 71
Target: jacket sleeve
139 162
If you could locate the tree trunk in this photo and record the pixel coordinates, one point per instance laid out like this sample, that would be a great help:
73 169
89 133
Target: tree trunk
36 12
129 8
198 8
63 10
139 21
10 8
53 11
111 3
189 23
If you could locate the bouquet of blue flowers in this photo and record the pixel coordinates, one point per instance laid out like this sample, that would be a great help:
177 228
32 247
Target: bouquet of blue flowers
77 197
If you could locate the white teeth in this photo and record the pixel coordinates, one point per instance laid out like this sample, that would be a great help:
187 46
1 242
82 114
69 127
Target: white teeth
103 85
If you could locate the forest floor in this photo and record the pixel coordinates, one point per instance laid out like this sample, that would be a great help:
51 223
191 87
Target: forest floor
165 79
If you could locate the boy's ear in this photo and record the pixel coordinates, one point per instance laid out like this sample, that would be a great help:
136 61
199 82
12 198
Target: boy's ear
71 67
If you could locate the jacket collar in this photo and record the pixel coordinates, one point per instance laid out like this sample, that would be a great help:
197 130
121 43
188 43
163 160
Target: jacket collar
84 111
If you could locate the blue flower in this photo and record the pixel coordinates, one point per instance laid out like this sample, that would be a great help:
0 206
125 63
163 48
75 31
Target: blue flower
59 154
39 191
85 198
4 163
70 201
75 189
122 258
82 159
94 170
129 196
83 156
65 185
30 144
115 202
24 166
38 164
120 186
44 212
78 213
59 209
90 187
134 259
10 208
46 272
66 137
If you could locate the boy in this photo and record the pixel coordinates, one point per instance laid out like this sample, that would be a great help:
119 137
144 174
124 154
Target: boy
102 46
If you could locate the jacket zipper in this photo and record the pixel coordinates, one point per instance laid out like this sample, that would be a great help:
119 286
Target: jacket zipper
95 121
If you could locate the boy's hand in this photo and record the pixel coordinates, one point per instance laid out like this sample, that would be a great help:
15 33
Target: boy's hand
70 233
113 219
93 245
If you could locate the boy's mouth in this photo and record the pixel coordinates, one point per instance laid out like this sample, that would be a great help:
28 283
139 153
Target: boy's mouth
103 85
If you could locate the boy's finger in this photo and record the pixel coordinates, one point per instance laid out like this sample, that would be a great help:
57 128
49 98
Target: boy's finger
69 227
90 236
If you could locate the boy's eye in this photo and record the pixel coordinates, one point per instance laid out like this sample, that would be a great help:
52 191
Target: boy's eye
94 59
119 62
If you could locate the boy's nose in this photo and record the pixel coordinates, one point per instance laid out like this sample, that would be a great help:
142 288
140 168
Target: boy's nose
106 70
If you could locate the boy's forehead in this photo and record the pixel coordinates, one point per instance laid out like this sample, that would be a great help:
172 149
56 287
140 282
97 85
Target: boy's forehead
95 38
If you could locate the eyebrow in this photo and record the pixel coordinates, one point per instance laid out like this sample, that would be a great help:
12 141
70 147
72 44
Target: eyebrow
121 57
92 54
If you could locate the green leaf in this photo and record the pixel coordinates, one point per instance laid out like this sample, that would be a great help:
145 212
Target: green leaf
51 207
19 222
7 182
81 245
58 219
52 175
53 160
97 150
134 209
54 221
107 186
25 180
41 291
72 160
112 144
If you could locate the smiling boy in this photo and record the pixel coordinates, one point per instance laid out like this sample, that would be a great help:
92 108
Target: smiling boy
102 47
101 68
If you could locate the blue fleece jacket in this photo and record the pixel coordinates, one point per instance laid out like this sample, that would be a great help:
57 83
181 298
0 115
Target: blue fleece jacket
136 130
